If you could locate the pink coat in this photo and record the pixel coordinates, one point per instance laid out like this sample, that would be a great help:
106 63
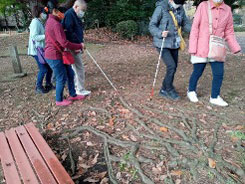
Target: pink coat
222 27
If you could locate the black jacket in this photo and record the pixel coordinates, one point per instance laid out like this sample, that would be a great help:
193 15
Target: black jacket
73 27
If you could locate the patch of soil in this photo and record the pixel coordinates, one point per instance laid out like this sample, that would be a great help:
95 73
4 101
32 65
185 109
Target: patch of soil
134 138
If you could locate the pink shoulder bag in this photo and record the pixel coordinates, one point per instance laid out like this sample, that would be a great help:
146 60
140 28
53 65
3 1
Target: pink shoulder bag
217 45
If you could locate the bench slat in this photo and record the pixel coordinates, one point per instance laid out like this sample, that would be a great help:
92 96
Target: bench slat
55 166
24 166
35 157
8 163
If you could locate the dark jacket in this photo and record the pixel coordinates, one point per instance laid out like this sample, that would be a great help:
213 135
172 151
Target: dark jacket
55 31
161 18
73 26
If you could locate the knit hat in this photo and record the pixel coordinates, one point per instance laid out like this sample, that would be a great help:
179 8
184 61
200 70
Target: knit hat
179 2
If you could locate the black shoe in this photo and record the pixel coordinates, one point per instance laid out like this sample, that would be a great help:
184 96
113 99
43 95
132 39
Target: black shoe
173 95
41 90
49 87
163 93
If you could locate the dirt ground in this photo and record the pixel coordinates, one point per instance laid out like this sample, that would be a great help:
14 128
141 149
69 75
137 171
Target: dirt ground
125 137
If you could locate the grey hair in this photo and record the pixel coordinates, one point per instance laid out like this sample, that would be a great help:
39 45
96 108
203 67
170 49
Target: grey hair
80 2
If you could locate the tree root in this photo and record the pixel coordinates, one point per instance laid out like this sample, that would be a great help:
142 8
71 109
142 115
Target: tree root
178 150
108 162
73 166
125 144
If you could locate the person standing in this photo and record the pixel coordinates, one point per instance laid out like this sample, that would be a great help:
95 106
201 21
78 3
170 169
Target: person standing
222 26
73 26
37 39
55 37
162 26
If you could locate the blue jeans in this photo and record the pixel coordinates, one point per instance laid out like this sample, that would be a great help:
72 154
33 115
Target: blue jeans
62 74
218 75
170 58
44 70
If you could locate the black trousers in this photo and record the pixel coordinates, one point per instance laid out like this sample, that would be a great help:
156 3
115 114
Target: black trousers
170 58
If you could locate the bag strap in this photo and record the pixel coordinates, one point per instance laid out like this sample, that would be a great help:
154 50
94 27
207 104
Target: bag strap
174 19
176 24
54 43
210 18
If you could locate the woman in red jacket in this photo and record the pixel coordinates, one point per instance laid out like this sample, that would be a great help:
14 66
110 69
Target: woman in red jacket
55 36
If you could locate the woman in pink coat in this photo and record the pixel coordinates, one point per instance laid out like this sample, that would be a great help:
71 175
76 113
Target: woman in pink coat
199 46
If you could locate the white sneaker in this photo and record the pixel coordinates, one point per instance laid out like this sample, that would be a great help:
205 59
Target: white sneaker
218 101
84 93
192 96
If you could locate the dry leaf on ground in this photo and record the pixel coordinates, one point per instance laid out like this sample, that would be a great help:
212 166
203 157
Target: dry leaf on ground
211 163
163 129
176 173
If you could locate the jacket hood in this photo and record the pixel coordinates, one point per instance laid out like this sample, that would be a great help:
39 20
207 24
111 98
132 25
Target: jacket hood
162 3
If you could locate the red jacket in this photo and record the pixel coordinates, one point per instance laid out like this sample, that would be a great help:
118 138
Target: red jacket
55 30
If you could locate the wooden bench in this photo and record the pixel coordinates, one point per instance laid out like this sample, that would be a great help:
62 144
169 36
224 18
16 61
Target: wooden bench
26 158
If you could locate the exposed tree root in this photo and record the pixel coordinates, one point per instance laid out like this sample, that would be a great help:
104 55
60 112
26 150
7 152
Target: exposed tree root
73 165
108 139
187 151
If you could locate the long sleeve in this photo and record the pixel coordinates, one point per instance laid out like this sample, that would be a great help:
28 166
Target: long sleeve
61 38
68 24
186 24
193 41
35 31
154 23
230 36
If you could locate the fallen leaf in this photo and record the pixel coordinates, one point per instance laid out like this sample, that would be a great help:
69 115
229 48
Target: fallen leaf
119 175
102 175
163 177
125 137
100 127
64 156
93 113
91 180
50 126
211 163
94 161
84 166
163 129
111 122
104 181
203 121
77 139
156 170
234 139
240 127
76 177
124 111
90 144
80 158
177 173
133 138
178 181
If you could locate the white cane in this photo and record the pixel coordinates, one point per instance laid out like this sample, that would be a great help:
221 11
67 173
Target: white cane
157 70
158 64
107 78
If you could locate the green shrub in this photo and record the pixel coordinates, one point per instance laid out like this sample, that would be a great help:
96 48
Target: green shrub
237 19
239 28
127 29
